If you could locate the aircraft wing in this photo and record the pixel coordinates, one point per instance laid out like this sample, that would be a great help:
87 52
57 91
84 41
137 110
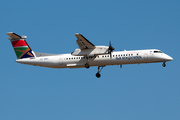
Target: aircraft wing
83 43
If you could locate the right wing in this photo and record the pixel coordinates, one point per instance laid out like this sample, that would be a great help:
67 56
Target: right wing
83 43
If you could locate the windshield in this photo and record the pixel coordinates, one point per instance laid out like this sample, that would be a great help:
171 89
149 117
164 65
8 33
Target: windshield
158 52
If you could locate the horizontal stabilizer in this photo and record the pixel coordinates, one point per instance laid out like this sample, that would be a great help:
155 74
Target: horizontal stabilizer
15 36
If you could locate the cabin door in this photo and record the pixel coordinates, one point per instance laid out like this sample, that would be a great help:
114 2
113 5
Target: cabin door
61 61
146 55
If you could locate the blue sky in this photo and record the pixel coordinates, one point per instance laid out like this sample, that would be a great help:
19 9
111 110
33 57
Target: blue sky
145 91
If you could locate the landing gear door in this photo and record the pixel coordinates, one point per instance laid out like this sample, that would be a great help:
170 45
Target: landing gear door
61 60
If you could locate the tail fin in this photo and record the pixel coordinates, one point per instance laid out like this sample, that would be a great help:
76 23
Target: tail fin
21 47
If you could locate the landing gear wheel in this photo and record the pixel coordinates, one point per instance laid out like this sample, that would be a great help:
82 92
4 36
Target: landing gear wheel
87 65
164 64
98 75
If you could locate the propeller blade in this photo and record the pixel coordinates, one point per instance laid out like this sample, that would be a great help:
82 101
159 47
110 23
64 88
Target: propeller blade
110 49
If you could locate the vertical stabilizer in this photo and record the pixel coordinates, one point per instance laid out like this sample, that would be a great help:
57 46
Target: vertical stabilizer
21 47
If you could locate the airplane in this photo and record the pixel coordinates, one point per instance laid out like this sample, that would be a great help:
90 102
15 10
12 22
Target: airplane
85 56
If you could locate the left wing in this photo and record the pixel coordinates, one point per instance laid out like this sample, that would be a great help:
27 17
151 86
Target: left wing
83 43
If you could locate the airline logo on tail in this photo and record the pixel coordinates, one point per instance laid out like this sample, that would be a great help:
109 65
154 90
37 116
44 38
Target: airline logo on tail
20 46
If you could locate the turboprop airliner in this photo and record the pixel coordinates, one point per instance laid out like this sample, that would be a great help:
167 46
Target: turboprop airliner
85 56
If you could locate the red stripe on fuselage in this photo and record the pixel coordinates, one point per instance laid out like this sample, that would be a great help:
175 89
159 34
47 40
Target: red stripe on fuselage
19 43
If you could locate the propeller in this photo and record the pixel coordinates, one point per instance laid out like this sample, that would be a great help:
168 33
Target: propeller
110 49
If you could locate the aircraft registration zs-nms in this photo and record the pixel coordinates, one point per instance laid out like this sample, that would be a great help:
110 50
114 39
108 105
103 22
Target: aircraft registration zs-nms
85 56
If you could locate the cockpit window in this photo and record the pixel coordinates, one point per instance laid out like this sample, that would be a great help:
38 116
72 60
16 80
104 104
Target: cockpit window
158 52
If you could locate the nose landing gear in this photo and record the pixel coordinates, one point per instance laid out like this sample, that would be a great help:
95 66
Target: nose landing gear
98 75
164 64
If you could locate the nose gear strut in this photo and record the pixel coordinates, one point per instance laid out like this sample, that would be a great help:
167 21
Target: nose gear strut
164 64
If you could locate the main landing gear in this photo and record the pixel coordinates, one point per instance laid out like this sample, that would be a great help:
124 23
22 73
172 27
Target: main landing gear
87 65
98 75
164 64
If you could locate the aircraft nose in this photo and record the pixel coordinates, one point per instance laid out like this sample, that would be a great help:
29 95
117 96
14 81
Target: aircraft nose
169 58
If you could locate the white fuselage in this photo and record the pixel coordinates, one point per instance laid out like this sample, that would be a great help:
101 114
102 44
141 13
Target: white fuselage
118 58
